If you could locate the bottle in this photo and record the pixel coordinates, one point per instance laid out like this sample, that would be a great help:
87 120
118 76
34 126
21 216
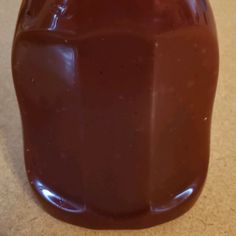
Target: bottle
116 102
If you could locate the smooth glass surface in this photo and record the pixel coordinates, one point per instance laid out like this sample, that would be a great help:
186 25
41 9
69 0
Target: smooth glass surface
116 101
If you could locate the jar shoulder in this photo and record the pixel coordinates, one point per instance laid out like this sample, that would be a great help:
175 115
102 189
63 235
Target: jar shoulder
153 16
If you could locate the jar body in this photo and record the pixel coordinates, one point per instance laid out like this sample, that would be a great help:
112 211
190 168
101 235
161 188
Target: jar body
116 100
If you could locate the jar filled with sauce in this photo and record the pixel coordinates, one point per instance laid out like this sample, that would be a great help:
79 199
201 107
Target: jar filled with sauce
116 101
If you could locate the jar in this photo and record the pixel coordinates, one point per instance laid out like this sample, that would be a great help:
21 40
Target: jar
116 102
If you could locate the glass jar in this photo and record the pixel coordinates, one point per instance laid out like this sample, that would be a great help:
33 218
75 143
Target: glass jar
116 100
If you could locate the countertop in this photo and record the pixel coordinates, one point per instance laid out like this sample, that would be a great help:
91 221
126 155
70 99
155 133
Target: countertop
215 212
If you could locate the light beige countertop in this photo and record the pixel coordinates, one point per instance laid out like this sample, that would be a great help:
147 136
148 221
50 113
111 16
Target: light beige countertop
215 212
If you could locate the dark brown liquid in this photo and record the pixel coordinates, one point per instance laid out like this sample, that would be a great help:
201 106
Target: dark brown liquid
116 100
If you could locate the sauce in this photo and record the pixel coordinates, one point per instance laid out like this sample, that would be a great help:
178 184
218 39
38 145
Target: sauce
116 100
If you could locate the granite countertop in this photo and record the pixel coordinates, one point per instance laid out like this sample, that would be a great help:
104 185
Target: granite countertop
215 212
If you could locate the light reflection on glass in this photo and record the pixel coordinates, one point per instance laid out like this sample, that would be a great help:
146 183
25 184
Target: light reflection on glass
67 59
60 10
184 195
56 200
198 9
177 200
193 5
54 21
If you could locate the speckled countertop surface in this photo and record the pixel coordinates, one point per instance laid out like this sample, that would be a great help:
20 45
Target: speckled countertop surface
215 212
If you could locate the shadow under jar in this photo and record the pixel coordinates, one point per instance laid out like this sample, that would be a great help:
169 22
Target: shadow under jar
116 101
